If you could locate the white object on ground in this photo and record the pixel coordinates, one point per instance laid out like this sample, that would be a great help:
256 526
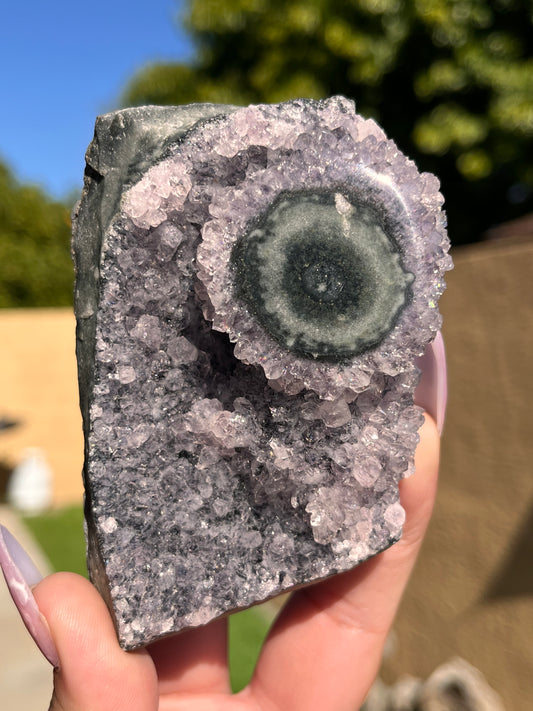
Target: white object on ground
30 485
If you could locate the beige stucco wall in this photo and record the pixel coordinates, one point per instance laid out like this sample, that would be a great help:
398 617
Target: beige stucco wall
38 387
472 591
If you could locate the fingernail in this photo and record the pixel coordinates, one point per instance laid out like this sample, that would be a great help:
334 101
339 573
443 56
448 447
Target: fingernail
432 390
21 574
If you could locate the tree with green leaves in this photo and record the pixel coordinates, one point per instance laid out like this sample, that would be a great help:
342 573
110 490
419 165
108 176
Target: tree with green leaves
35 264
450 80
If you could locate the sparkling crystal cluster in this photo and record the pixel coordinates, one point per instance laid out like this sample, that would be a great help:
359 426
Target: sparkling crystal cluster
251 298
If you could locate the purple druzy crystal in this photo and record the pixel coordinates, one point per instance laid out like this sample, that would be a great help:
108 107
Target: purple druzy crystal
251 300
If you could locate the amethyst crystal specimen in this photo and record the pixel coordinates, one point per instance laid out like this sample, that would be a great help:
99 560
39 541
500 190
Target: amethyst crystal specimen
253 287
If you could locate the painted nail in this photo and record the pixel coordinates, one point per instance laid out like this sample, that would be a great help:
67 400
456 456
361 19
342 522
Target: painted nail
21 574
432 391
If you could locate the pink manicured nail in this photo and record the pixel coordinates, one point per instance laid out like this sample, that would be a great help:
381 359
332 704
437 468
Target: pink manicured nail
21 574
432 391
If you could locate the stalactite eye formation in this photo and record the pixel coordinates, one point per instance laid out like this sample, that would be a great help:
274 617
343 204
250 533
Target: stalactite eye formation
322 276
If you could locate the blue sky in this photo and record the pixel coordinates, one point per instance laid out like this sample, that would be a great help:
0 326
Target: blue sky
64 62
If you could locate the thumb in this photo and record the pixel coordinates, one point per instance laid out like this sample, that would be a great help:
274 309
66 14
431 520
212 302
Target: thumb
94 673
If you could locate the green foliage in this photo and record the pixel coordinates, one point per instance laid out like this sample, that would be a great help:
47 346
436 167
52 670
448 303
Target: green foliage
35 264
450 80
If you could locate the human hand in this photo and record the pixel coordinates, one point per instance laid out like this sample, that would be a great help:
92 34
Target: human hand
323 651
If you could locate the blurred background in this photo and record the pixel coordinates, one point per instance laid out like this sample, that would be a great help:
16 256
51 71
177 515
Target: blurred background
451 81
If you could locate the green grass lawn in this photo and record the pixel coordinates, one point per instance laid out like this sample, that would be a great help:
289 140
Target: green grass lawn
60 534
247 631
